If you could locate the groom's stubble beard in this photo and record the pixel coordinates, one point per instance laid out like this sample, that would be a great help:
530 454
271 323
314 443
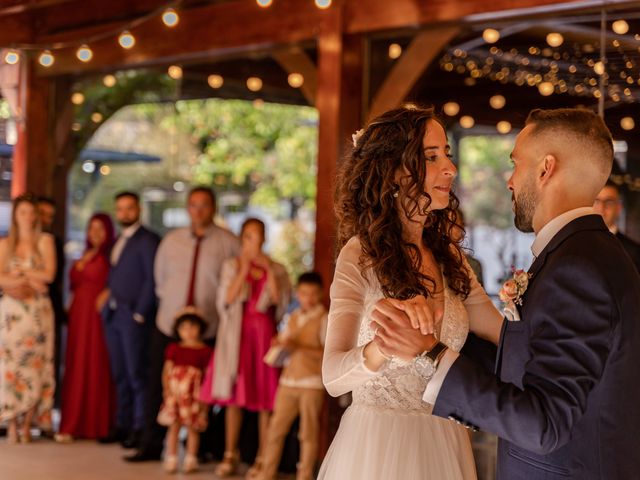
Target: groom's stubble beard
525 206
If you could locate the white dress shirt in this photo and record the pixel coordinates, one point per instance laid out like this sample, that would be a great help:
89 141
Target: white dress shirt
172 272
543 237
123 238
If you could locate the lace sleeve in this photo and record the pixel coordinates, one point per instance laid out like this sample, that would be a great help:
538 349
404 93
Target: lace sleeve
343 366
484 318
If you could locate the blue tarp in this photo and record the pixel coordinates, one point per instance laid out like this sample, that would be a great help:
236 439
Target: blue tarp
102 156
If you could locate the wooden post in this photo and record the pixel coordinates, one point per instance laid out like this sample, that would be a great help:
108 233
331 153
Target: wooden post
339 102
32 156
341 60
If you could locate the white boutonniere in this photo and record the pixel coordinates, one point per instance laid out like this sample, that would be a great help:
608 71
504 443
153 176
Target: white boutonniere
511 294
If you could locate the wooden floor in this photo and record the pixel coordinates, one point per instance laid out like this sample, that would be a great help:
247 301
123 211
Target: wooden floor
83 460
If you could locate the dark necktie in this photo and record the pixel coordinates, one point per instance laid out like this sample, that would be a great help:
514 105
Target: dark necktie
194 268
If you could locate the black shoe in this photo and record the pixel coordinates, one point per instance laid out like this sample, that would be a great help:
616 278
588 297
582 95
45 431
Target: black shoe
116 435
142 456
47 434
132 440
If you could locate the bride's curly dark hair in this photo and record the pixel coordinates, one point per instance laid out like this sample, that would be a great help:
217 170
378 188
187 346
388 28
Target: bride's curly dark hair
365 206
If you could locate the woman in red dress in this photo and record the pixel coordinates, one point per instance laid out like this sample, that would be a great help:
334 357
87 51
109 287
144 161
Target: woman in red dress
88 393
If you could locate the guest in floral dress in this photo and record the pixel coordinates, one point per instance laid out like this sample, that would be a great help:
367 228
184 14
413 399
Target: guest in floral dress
253 294
27 266
181 378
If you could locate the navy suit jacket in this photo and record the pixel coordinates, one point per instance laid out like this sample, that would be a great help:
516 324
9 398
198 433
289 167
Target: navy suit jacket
565 397
131 280
632 248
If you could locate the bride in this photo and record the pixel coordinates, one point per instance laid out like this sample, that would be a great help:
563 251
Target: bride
394 204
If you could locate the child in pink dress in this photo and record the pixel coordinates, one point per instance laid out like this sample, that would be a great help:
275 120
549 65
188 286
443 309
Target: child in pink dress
184 364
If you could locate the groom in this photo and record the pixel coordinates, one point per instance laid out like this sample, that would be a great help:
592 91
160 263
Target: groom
565 393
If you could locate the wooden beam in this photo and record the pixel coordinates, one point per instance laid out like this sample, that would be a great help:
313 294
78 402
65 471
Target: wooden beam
424 48
215 30
295 60
208 32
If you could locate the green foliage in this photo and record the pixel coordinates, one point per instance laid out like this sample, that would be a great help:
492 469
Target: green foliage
484 170
132 86
4 110
268 153
294 249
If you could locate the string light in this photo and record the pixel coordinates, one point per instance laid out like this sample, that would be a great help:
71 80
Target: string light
175 72
598 67
490 35
497 102
12 57
254 84
96 117
620 27
264 3
503 127
126 40
323 4
46 59
84 53
451 108
170 17
467 121
105 170
77 98
295 80
627 123
215 81
555 39
109 81
395 51
545 88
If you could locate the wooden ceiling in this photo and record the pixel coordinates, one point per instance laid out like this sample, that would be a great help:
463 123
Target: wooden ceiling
238 39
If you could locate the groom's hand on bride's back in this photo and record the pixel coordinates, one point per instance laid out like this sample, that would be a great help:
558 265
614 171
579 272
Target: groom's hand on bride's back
398 328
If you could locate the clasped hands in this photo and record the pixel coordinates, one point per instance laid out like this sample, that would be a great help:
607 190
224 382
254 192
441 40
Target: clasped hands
405 328
24 287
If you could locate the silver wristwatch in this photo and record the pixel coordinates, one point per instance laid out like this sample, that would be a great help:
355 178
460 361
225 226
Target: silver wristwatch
427 362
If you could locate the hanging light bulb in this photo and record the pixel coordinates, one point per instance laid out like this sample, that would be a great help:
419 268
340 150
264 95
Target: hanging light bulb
490 35
77 98
46 59
627 123
170 17
215 81
503 127
451 108
264 3
254 84
546 89
126 40
467 121
497 102
175 72
84 53
295 80
598 67
96 117
12 57
323 4
109 81
620 27
105 170
555 39
395 51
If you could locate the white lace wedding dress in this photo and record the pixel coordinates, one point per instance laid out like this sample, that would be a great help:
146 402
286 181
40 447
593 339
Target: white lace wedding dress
388 433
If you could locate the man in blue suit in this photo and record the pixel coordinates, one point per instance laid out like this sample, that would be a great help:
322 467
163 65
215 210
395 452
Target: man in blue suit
129 316
564 395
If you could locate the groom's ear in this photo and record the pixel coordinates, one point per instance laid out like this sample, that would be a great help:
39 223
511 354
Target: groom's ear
547 168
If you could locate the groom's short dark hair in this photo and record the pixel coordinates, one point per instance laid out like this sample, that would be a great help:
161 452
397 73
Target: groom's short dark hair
585 126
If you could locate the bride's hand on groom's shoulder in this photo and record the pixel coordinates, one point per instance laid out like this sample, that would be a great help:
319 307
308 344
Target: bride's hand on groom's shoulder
397 333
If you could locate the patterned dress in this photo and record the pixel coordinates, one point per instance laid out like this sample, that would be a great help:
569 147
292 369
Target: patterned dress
26 354
181 402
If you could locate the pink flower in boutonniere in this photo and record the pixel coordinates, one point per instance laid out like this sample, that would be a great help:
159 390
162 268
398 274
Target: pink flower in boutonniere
511 293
